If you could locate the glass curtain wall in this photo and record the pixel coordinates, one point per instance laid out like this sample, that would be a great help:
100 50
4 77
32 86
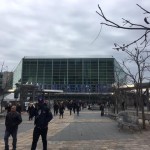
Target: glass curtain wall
17 74
69 74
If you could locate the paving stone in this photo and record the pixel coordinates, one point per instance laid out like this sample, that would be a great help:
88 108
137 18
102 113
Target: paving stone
89 131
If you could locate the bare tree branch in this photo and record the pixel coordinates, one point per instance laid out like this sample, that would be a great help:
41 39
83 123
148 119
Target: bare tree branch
128 26
143 9
113 24
139 56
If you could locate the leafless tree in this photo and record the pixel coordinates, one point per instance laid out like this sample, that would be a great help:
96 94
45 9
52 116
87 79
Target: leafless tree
5 85
140 59
128 25
140 55
120 80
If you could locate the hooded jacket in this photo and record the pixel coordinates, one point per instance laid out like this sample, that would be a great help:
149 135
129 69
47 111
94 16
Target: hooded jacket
43 116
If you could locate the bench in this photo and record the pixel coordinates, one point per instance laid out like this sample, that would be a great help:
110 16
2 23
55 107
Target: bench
130 121
94 107
147 117
112 116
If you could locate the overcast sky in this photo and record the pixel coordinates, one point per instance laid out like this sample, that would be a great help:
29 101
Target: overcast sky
63 27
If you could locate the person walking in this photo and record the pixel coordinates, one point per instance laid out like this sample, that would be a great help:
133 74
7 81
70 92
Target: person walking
13 119
61 110
102 109
74 107
70 106
8 107
56 107
43 116
30 111
18 108
78 107
123 105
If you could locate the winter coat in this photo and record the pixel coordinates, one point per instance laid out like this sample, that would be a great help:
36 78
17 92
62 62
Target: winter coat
42 116
13 119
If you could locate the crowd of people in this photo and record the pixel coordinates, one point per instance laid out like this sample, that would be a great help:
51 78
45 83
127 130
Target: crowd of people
72 106
41 113
9 105
42 116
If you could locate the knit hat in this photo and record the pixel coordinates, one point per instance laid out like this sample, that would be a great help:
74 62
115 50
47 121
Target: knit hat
40 99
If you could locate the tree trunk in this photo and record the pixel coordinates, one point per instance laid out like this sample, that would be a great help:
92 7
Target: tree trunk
137 104
143 114
2 102
142 106
116 105
147 99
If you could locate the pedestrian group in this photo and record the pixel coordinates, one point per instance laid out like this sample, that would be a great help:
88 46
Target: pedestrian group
41 114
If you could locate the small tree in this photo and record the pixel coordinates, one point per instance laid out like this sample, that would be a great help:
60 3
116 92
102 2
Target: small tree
5 85
120 80
139 55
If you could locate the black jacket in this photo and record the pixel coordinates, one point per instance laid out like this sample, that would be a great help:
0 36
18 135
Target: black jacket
42 116
13 119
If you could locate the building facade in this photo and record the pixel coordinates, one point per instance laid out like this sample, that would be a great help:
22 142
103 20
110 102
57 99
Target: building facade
6 81
1 81
72 75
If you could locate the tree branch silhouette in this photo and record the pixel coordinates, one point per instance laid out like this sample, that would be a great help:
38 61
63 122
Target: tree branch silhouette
128 25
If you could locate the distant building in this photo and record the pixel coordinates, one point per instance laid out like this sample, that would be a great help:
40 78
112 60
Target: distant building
70 74
6 80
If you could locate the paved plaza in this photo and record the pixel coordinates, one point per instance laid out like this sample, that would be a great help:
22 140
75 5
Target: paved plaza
88 131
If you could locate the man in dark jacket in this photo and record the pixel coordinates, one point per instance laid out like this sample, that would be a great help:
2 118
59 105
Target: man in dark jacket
42 117
18 108
13 119
8 107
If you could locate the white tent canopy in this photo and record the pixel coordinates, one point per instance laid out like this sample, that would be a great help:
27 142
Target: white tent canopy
10 97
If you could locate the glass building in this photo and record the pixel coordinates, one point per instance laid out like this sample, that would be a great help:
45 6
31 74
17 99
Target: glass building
72 75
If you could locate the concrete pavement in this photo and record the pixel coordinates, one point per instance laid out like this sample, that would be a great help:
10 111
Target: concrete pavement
88 131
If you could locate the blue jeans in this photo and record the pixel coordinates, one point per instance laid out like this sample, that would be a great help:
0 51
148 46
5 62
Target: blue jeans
13 133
